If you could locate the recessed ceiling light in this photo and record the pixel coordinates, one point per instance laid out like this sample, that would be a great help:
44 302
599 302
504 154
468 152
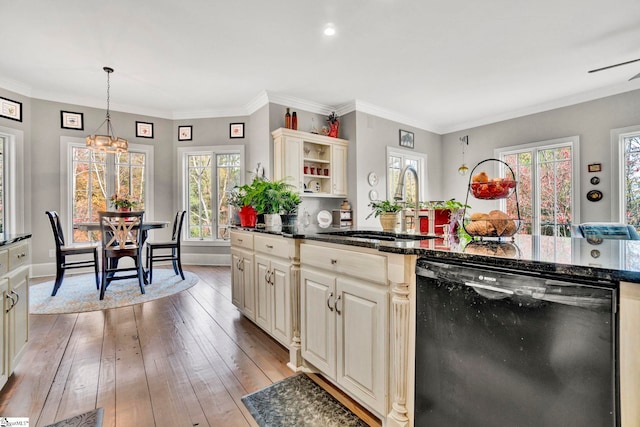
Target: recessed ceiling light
329 30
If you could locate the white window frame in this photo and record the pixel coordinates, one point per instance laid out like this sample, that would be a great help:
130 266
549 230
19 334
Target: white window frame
66 179
618 199
574 143
421 158
13 180
183 191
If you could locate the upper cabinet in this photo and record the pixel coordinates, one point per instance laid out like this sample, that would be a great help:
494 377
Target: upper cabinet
315 164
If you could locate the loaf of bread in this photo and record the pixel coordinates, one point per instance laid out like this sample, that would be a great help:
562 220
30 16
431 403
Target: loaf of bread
495 223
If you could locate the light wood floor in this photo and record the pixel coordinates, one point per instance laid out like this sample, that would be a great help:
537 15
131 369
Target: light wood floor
185 360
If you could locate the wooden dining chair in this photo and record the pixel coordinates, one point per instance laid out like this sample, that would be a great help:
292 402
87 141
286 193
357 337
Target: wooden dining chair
170 250
122 236
63 251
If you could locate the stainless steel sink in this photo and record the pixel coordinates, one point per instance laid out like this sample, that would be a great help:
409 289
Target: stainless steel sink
387 236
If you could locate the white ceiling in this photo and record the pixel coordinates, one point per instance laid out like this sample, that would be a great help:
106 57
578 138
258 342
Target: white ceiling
435 64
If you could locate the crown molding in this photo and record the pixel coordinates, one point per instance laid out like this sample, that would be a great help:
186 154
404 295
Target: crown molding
365 107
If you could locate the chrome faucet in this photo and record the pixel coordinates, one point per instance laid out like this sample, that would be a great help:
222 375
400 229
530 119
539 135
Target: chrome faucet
399 194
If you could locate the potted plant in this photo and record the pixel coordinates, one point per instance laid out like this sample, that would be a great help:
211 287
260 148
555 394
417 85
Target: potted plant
387 211
123 202
245 201
334 124
289 203
446 212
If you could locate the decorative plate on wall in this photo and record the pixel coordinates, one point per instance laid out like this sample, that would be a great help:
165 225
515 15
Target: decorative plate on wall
595 180
594 195
372 178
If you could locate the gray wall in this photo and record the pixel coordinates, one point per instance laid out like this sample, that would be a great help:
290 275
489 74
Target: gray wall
373 136
591 121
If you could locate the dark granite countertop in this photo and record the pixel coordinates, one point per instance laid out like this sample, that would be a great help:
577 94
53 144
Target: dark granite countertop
565 257
7 239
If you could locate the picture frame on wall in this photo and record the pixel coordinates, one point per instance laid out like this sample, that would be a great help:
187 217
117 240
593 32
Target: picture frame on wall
184 133
236 130
71 120
10 109
144 129
406 139
595 167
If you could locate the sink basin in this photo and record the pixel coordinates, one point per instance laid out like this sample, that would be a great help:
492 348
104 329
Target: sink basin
387 236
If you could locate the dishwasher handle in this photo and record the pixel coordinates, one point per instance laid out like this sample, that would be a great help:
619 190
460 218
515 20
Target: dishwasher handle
489 287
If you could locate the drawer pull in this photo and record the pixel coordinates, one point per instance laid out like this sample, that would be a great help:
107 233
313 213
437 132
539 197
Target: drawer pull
239 240
22 255
334 261
336 305
329 301
269 246
13 303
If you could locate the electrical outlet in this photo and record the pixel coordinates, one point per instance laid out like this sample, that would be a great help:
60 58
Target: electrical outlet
52 253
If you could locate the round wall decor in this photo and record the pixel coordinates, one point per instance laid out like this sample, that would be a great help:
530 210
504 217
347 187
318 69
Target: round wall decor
595 180
594 195
372 178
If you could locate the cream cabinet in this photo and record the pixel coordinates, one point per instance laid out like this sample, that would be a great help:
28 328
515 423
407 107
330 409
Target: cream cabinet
273 275
14 321
265 285
344 312
242 276
315 164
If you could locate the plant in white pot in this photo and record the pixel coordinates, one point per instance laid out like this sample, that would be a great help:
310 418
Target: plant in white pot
387 211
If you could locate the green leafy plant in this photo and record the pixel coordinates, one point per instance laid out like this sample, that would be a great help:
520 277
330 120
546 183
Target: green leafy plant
380 207
123 201
269 197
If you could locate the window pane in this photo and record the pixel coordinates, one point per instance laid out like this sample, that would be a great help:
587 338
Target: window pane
228 177
130 169
521 165
89 188
632 180
200 196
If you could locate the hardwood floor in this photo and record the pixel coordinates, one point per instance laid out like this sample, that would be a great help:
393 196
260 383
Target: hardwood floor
185 360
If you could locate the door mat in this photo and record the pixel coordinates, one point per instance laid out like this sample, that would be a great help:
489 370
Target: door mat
298 401
88 419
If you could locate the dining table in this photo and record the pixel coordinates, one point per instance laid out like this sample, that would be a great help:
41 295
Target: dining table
146 226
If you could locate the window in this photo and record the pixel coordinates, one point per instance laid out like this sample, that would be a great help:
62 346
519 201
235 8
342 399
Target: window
209 174
547 197
396 161
95 176
629 177
11 181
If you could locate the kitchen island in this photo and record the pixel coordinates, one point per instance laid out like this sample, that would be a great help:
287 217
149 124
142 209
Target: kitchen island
323 259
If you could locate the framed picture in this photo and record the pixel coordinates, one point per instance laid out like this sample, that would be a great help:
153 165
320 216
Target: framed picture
236 130
10 109
595 167
406 138
184 133
144 130
70 120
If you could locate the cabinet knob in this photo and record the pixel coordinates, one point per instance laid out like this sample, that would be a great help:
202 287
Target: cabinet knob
334 261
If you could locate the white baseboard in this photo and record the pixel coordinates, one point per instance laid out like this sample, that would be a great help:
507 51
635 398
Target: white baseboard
49 268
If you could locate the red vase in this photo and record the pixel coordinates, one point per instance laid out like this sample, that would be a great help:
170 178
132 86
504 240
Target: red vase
248 216
333 129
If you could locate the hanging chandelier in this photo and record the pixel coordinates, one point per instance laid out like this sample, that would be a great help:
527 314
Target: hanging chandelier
107 143
462 170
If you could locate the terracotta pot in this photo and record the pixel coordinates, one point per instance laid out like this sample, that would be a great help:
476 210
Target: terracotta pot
248 216
388 221
123 209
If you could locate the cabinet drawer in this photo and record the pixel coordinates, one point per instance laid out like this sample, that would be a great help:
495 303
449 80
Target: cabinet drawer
276 246
4 262
241 240
357 264
18 255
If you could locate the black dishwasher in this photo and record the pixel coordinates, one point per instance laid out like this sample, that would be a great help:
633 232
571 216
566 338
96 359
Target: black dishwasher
504 349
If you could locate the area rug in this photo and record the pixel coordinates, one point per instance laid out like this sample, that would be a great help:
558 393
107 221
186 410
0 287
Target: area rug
298 401
88 419
78 293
